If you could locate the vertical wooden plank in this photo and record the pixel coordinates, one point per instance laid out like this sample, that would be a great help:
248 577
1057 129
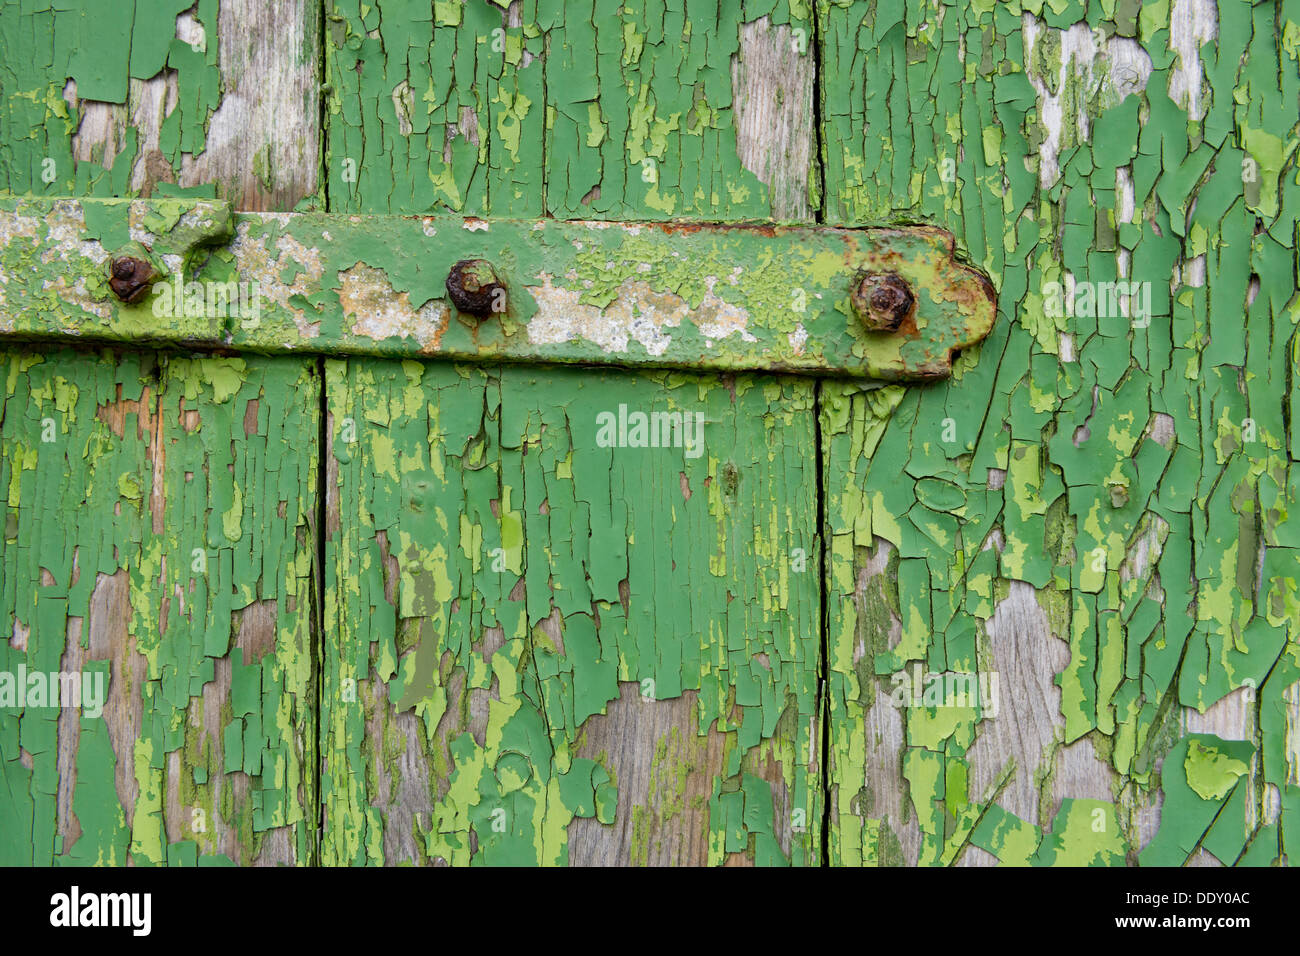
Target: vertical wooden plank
500 585
1094 512
158 543
545 649
159 527
219 96
593 110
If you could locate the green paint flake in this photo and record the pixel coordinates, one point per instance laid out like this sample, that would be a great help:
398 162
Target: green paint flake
1209 772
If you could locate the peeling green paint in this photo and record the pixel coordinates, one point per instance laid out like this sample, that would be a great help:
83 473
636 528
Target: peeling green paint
625 110
1134 479
158 531
1136 474
497 578
103 49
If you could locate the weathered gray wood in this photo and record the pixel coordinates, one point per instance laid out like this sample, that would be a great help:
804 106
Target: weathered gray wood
1026 657
656 825
772 87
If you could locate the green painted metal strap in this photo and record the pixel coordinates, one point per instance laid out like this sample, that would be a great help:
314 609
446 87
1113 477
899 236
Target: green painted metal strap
882 303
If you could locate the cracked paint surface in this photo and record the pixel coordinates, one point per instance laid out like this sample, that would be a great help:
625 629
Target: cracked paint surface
1135 480
1094 510
631 613
596 109
157 531
495 580
100 48
161 98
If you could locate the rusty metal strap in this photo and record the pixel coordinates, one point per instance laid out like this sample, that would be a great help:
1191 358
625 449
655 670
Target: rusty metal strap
882 303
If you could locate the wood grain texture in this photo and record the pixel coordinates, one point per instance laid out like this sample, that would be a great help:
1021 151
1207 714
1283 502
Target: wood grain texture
772 86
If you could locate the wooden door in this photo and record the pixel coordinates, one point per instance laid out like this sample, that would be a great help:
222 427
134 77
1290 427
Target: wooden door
376 610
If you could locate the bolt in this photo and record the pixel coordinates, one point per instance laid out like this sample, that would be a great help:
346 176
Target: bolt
132 278
882 300
475 289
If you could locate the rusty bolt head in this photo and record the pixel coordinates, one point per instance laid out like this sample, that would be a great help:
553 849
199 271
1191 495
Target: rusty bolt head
131 278
475 289
882 300
1118 493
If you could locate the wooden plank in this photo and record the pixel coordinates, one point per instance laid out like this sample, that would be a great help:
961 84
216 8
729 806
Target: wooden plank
1096 509
158 540
219 98
590 110
531 677
547 648
163 539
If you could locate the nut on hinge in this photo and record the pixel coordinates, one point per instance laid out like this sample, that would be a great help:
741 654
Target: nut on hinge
882 300
131 276
474 288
